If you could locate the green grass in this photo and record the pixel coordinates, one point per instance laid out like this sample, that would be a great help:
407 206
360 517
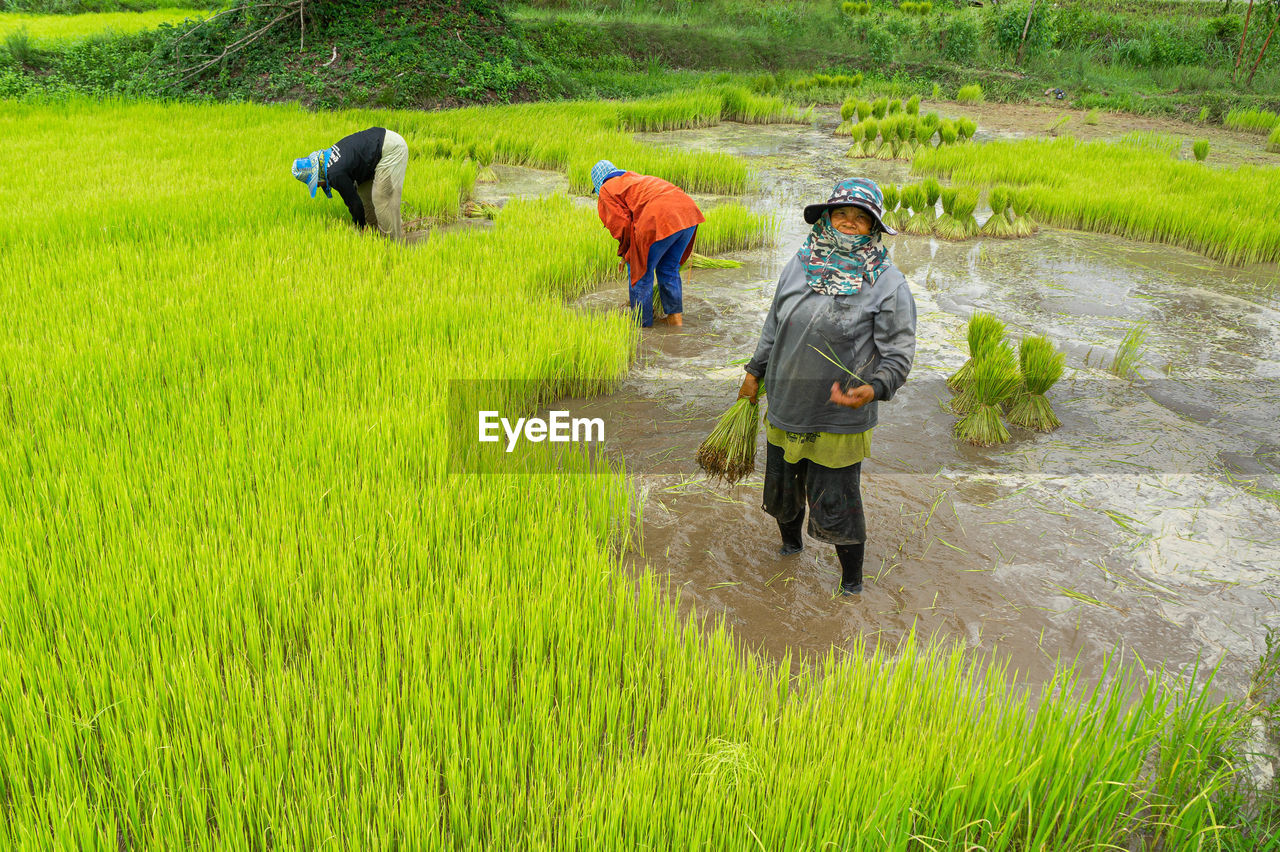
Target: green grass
253 595
50 30
1252 120
1127 190
733 227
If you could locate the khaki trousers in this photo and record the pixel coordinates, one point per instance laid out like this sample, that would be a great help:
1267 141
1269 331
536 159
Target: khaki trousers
381 196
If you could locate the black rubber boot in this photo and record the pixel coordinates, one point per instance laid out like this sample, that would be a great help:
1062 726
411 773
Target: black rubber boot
850 567
792 536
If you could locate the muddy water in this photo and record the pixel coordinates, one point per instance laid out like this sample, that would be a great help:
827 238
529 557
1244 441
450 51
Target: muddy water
1128 528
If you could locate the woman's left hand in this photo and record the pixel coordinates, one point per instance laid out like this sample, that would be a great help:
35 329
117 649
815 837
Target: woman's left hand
855 398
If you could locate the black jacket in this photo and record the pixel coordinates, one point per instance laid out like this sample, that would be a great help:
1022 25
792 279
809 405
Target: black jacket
352 161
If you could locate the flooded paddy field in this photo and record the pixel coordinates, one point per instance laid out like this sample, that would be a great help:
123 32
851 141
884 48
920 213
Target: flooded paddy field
1144 524
1148 523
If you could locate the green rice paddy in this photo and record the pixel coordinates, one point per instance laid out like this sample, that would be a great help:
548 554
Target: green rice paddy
1137 189
47 30
252 596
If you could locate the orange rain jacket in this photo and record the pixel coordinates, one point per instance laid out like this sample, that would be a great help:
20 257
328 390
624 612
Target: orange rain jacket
639 210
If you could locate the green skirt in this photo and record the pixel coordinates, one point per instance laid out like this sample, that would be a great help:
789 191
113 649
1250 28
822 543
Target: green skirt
825 448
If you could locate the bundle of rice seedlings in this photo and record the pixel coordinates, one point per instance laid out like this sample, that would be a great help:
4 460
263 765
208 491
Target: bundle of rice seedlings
921 221
962 211
933 120
895 105
880 107
844 128
912 105
888 149
984 332
998 225
967 400
995 379
971 94
1023 224
858 148
729 452
848 108
891 197
871 129
947 133
864 110
966 127
1201 149
947 226
699 261
1041 368
1273 141
932 190
1130 352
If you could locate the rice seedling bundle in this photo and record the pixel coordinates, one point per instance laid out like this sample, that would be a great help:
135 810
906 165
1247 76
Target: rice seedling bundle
1020 206
947 226
889 129
921 221
891 199
729 452
932 189
924 8
947 133
857 134
999 225
1200 148
965 128
341 633
1129 353
848 109
871 129
995 380
844 128
1041 366
908 7
1273 141
971 94
932 120
895 106
913 105
983 332
864 110
1252 120
880 107
741 104
480 210
699 261
965 204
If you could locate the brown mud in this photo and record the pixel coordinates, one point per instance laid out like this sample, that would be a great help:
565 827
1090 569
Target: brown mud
1142 525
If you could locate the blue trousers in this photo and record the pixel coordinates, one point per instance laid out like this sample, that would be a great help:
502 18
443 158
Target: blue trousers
664 260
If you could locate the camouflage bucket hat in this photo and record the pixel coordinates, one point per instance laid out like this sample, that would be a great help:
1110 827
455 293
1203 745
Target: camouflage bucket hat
859 192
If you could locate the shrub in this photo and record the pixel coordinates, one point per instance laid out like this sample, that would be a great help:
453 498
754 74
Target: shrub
971 94
1010 18
960 41
881 46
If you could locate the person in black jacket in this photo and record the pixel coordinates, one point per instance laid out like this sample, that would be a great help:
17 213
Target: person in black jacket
367 169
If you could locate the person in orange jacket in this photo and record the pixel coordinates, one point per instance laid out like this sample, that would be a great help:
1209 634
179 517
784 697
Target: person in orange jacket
654 223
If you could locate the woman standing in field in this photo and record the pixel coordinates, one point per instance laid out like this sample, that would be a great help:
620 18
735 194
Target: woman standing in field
839 338
654 223
367 169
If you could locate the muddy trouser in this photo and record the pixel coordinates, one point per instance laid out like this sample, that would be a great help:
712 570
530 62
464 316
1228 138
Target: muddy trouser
381 196
834 497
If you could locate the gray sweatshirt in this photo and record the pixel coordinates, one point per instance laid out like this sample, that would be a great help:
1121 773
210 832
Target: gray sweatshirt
872 332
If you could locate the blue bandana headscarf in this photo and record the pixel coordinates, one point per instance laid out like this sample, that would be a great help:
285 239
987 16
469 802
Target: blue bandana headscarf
839 264
601 172
312 169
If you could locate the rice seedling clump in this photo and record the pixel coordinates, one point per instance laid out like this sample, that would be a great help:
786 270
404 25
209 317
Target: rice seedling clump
971 94
1041 366
947 226
1273 141
1200 148
1129 353
1252 120
729 452
983 332
998 224
995 380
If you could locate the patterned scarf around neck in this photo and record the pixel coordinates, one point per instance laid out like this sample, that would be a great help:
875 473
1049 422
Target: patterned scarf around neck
839 264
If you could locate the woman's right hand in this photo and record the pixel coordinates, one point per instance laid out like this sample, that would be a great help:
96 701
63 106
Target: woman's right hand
750 388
